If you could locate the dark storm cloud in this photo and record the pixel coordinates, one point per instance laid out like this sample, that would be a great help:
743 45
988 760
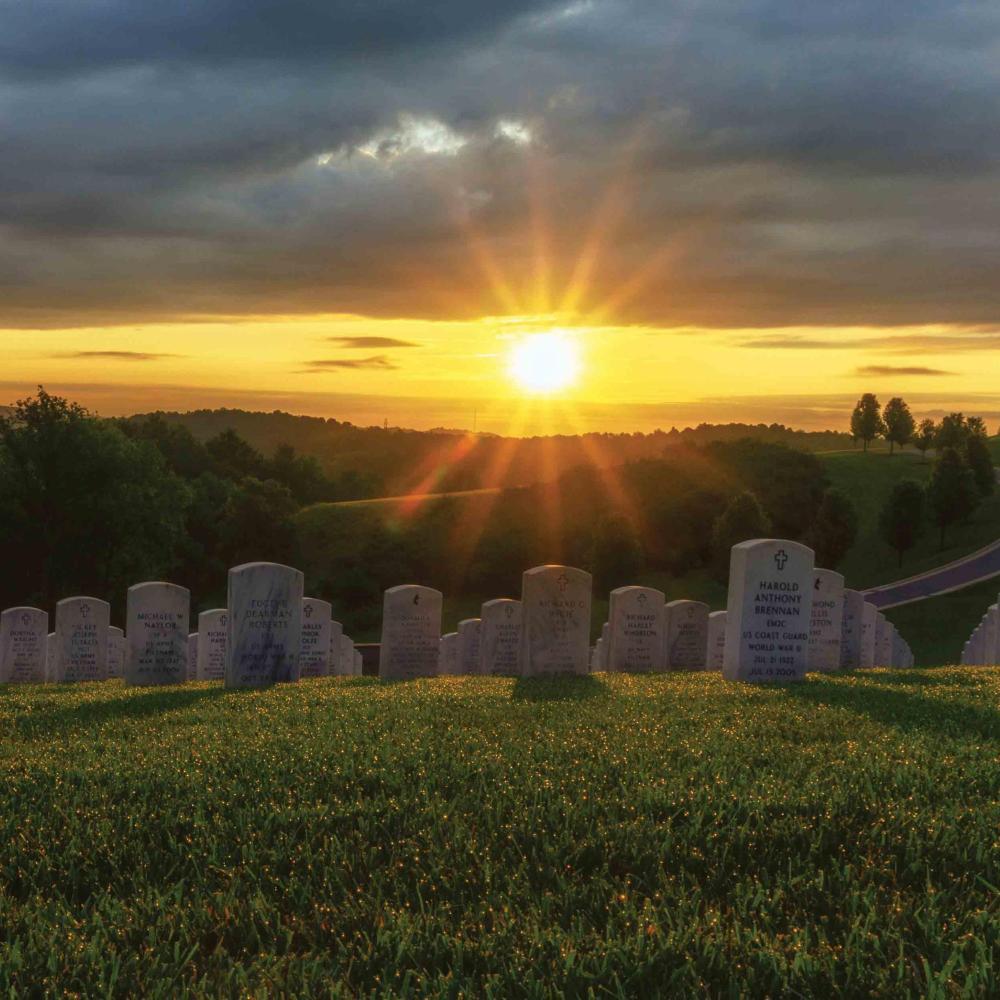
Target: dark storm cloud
890 370
372 342
378 362
722 163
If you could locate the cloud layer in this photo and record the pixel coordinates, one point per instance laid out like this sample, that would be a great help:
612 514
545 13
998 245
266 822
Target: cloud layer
724 163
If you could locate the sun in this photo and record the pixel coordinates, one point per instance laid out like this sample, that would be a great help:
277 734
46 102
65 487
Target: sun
544 363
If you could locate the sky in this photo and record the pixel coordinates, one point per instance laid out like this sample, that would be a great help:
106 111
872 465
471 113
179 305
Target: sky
747 210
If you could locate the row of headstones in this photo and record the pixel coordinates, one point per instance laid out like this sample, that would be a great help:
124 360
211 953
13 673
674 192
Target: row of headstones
783 617
158 649
983 647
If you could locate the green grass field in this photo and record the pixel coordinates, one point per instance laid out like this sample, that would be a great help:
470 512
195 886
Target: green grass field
604 836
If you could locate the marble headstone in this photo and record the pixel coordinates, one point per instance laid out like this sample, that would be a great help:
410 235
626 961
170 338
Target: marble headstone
883 641
336 631
359 664
556 603
850 630
265 624
469 636
448 654
51 649
635 631
116 652
156 629
768 610
826 621
213 634
81 639
345 659
23 634
192 656
500 637
411 630
314 655
716 640
869 623
686 628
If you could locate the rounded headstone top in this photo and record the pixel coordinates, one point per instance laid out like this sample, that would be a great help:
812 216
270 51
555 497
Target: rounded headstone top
245 567
117 631
23 608
685 603
717 614
318 603
161 584
83 597
790 547
829 576
571 572
635 589
414 587
497 602
469 621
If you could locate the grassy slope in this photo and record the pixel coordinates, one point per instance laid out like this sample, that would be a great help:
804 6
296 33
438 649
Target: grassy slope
630 835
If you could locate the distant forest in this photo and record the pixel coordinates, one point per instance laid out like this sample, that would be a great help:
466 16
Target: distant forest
364 462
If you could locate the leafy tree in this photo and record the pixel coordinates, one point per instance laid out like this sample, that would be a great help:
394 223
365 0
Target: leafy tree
742 519
834 528
976 426
980 461
924 438
951 492
184 454
83 508
615 553
899 422
901 519
866 420
257 523
300 473
952 432
234 458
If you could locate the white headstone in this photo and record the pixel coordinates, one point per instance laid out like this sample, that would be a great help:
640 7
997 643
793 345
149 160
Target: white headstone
336 631
359 663
883 641
213 634
22 645
635 631
687 635
411 628
448 654
265 624
469 634
556 630
192 657
768 610
51 648
81 639
156 629
869 623
345 659
716 640
500 637
850 630
314 655
116 652
826 621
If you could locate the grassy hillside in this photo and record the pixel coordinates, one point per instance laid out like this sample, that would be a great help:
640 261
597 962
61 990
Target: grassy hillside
868 480
488 837
938 627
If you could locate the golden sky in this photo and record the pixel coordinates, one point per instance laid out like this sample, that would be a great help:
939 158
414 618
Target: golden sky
422 373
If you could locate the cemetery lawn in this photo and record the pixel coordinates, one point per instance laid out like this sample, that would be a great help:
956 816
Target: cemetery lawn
668 835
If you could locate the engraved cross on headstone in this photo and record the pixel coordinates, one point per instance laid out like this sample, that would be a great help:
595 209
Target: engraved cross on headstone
563 582
780 558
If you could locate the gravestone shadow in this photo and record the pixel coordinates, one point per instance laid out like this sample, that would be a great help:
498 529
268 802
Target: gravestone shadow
56 714
887 701
565 687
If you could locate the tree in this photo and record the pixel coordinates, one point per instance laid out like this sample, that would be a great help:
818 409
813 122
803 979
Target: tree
899 422
615 553
952 432
234 458
976 426
84 509
866 420
951 492
924 439
834 529
901 519
980 461
742 519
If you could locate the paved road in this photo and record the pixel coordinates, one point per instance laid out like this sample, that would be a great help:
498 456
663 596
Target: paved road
980 565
